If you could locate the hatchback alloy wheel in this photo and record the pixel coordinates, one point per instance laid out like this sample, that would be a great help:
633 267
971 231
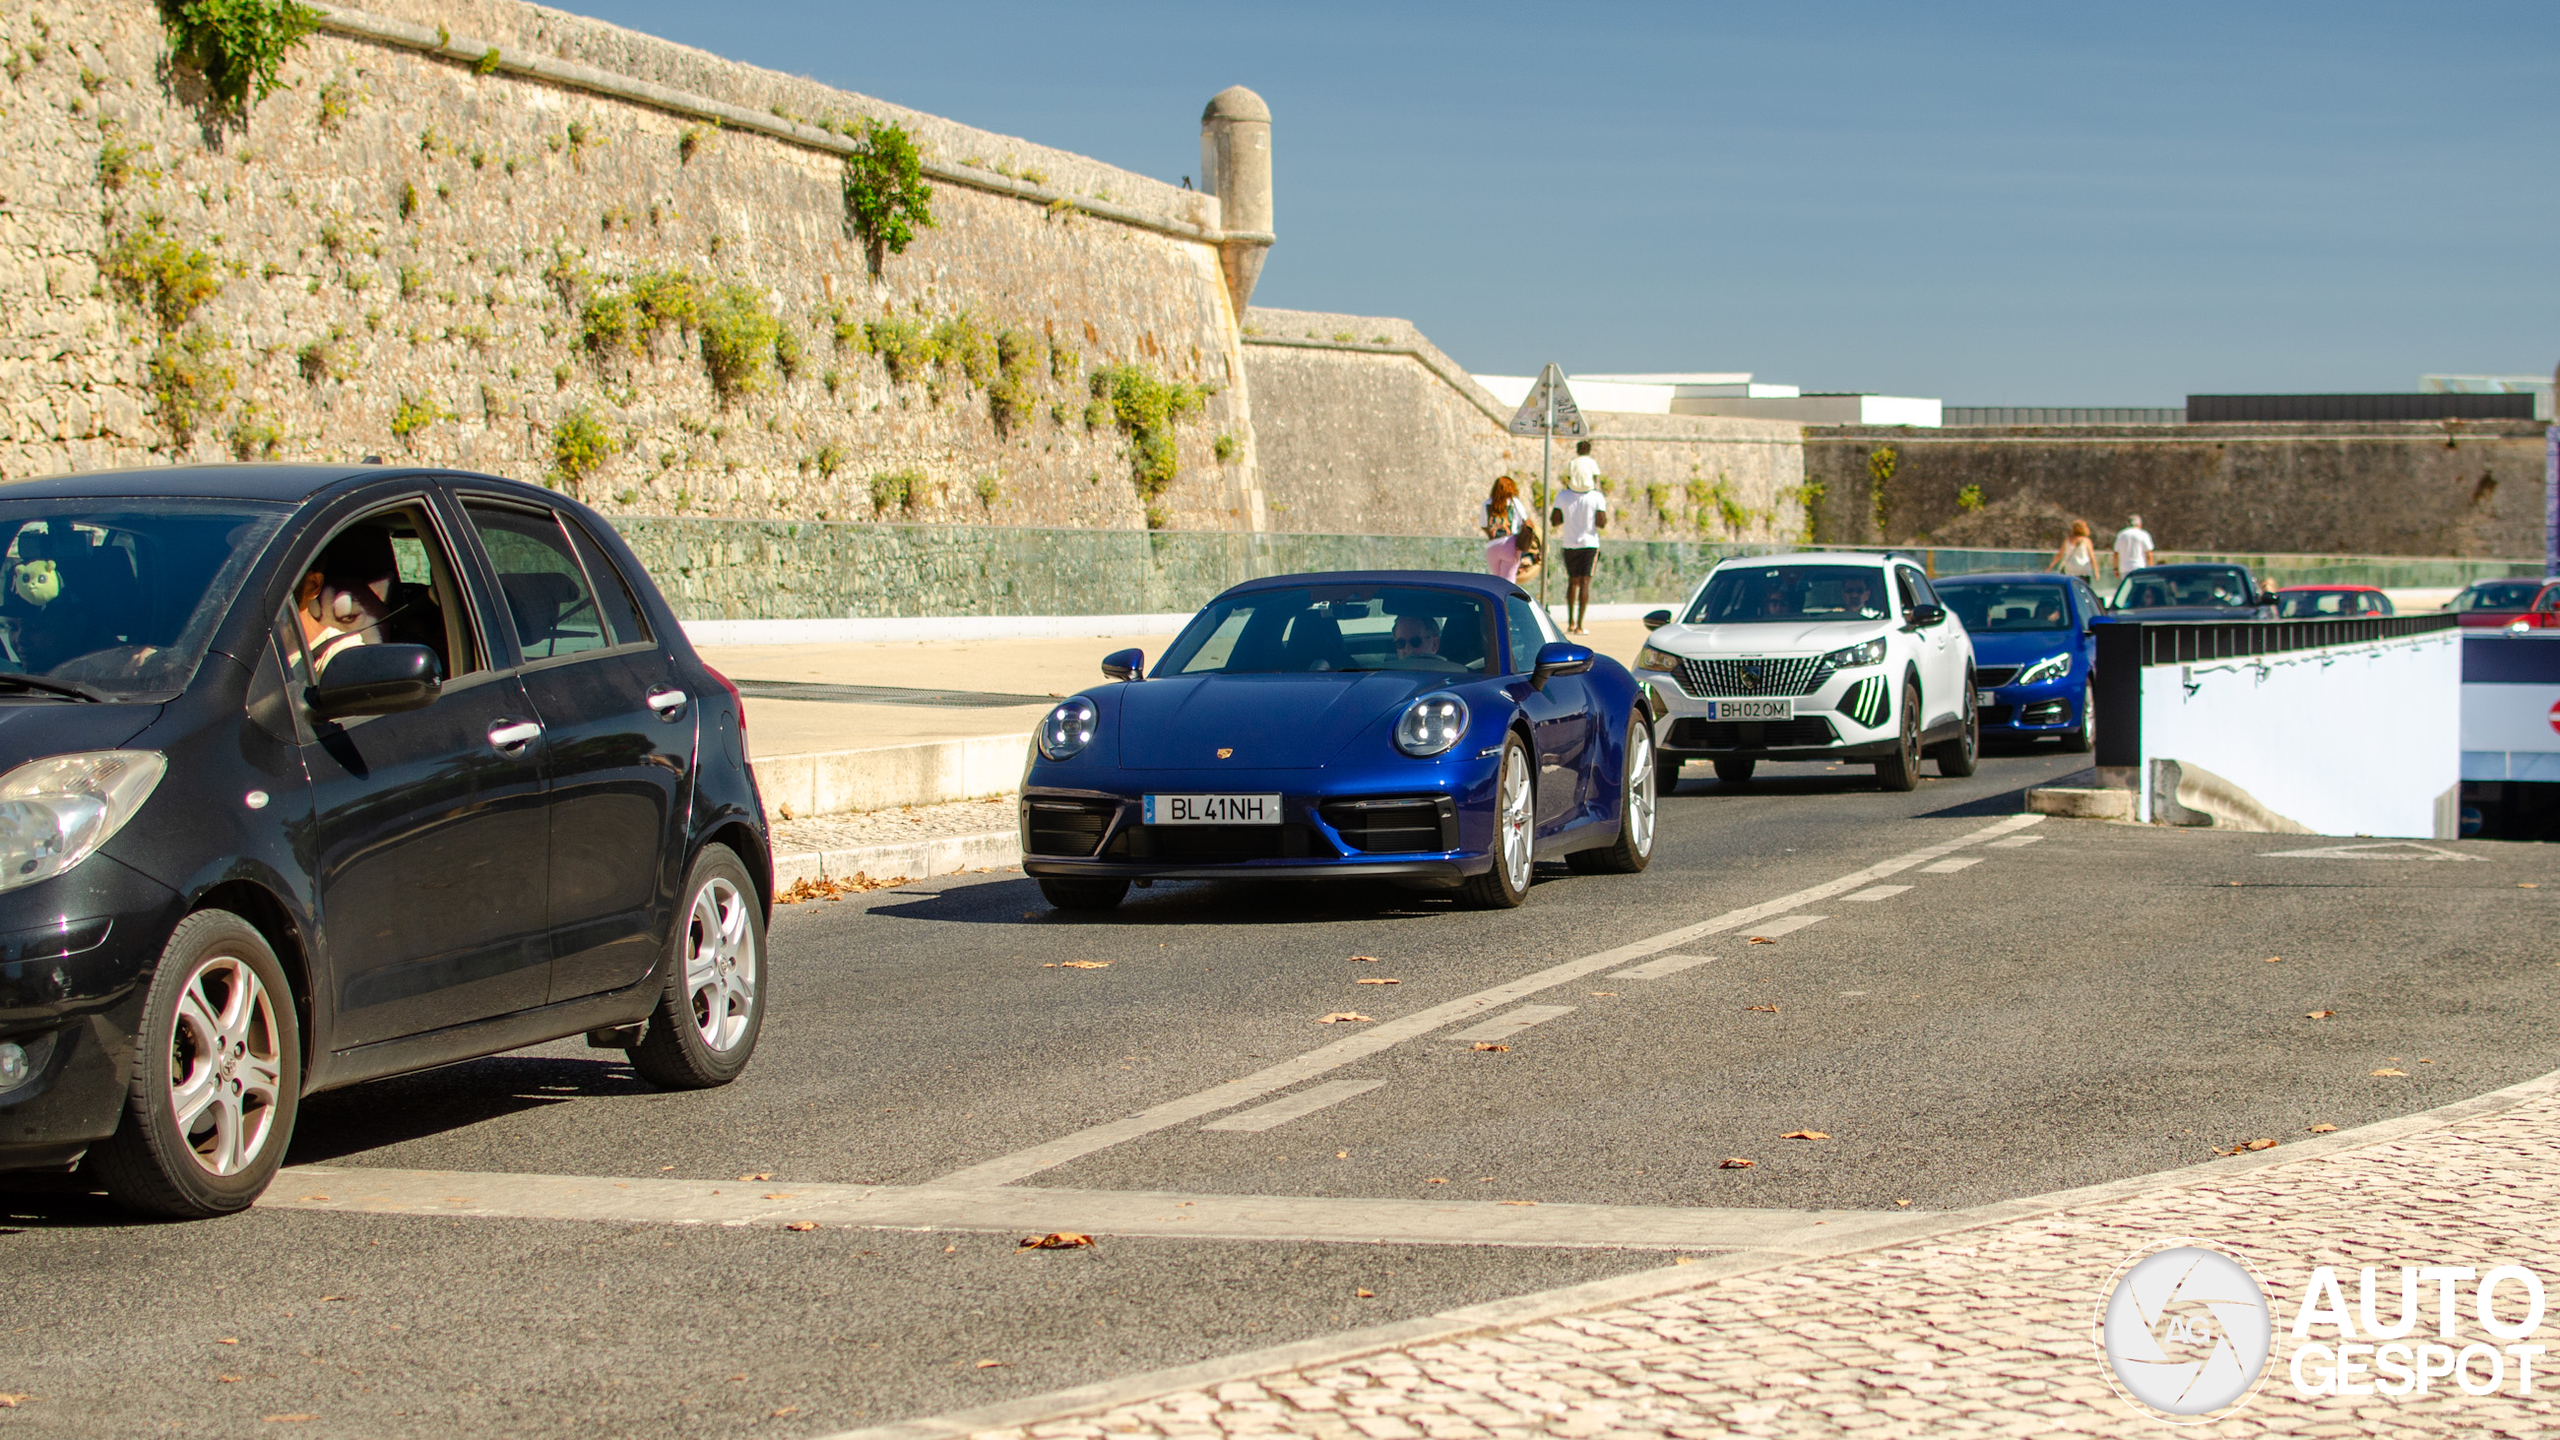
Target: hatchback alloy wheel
719 970
712 1008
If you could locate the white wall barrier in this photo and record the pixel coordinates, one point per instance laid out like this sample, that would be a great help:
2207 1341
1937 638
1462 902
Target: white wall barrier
2330 727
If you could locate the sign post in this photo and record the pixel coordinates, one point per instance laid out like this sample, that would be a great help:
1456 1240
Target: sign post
1548 412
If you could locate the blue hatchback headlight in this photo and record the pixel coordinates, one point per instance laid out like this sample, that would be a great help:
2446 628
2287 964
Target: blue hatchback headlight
1431 724
1067 729
2051 667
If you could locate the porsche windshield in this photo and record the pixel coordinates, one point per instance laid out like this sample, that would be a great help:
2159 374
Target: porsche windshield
1992 606
119 597
1741 594
1302 630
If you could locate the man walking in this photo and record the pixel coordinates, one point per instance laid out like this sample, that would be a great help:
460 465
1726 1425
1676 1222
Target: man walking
2133 547
1581 512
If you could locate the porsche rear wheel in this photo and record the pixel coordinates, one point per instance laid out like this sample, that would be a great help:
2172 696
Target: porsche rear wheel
1515 818
1637 790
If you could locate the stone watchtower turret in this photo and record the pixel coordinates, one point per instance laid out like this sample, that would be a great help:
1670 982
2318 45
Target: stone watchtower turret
1235 166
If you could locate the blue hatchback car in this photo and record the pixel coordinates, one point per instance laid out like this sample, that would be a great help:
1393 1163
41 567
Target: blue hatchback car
2032 649
1422 726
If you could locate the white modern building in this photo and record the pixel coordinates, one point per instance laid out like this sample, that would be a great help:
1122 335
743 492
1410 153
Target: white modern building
2537 386
1726 393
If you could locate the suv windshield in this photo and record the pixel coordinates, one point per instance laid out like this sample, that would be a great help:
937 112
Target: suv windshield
1309 629
121 596
1990 606
1740 594
2498 595
2205 587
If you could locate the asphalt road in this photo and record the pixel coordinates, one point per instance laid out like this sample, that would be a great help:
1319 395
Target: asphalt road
2079 1002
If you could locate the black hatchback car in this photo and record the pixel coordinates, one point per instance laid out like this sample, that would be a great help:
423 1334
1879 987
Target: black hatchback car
315 774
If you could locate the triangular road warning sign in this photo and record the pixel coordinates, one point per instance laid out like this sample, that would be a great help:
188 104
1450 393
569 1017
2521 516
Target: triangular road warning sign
1536 417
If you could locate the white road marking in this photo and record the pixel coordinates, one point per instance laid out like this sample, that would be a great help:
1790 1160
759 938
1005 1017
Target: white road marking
1786 926
1025 1210
1503 1027
1005 1169
1874 893
1288 1108
1949 867
2379 850
1656 969
2013 842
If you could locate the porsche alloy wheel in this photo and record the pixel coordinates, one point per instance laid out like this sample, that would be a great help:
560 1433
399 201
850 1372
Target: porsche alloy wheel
1638 793
1506 883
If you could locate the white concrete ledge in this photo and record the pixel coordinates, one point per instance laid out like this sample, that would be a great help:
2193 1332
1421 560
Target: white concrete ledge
907 859
898 628
847 782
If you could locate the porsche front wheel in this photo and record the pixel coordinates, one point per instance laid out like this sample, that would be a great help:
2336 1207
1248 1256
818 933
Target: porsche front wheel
1515 818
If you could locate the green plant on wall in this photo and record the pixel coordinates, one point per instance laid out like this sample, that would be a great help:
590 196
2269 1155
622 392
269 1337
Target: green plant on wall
900 489
886 199
237 45
961 343
189 383
255 435
902 346
579 446
1146 407
739 340
159 276
1881 463
415 413
1013 398
1969 499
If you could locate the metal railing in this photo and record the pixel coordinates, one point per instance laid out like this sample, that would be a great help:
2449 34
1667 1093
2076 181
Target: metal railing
2127 647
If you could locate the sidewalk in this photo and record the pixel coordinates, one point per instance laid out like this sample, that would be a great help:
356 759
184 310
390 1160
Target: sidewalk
1974 1323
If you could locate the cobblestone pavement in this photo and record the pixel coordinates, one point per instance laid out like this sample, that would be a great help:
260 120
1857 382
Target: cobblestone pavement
1988 1330
891 827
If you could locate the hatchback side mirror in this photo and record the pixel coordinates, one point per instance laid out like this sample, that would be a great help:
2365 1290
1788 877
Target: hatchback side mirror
1924 616
1656 619
377 680
1561 658
1125 665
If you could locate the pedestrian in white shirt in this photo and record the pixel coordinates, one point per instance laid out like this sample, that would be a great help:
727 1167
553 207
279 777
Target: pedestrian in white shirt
2133 547
1581 512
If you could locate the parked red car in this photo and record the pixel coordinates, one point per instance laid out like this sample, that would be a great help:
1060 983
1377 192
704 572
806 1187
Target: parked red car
2330 602
2497 604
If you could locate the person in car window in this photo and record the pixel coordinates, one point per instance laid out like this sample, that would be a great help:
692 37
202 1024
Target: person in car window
1417 635
1857 598
346 596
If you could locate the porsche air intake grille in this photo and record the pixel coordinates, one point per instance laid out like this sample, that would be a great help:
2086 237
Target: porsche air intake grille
1410 823
1744 679
1992 677
1066 827
1217 844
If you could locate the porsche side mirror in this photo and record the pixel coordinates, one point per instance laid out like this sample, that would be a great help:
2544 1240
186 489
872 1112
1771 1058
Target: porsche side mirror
377 680
1561 658
1656 619
1924 616
1125 665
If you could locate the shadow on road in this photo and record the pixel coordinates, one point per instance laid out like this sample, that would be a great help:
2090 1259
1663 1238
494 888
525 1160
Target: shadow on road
338 1123
1188 902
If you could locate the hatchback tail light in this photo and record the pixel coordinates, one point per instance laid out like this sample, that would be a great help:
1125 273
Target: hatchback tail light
737 704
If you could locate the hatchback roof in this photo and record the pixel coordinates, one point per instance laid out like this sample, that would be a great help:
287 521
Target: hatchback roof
217 482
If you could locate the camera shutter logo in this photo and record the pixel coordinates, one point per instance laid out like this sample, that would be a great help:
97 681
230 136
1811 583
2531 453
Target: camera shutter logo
2186 1331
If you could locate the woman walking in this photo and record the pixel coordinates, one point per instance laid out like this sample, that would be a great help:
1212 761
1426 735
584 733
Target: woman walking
1505 517
2078 555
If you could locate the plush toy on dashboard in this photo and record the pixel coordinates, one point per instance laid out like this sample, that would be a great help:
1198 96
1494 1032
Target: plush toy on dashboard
38 625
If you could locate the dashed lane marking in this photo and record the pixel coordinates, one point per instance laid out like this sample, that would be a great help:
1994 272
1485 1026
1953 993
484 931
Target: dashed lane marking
1503 1027
1305 1102
1949 867
1786 925
2013 842
1656 969
1005 1169
1874 893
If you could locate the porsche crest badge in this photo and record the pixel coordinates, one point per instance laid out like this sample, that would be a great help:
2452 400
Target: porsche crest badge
1225 753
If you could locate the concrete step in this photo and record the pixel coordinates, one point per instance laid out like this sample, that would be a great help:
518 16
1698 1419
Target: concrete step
844 782
902 860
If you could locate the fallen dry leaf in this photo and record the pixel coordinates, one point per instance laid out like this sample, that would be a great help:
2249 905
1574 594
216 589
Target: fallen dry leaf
1365 1294
1376 980
759 1175
1762 940
315 1197
1343 1017
2388 1071
2320 1015
1735 1162
1604 994
1057 1240
1684 1259
2424 1061
1804 1135
325 1299
2261 1143
1901 1202
801 1225
950 1249
226 1340
1519 1202
2528 885
1770 1009
1436 1180
1341 1154
1080 965
1364 959
2323 1128
12 1402
2275 959
1489 1045
227 1379
825 888
991 1364
785 1410
664 1168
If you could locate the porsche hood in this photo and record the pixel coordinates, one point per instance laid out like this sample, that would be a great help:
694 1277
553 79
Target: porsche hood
1267 722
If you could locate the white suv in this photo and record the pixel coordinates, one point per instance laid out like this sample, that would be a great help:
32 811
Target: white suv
1813 657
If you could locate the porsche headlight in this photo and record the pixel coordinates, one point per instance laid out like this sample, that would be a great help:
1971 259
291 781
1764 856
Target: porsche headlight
1067 729
2051 667
1431 724
1649 658
1867 652
55 812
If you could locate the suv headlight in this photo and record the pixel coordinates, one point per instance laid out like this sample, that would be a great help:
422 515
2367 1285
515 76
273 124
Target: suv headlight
1431 724
1067 728
1865 652
2051 667
1649 658
55 812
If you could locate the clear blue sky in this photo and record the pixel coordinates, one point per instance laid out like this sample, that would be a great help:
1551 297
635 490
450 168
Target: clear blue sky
2062 205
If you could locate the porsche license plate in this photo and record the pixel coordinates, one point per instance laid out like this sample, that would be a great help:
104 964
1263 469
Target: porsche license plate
1213 810
1751 709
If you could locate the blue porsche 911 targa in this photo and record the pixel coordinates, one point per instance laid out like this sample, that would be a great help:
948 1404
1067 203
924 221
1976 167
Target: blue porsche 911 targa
1422 726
